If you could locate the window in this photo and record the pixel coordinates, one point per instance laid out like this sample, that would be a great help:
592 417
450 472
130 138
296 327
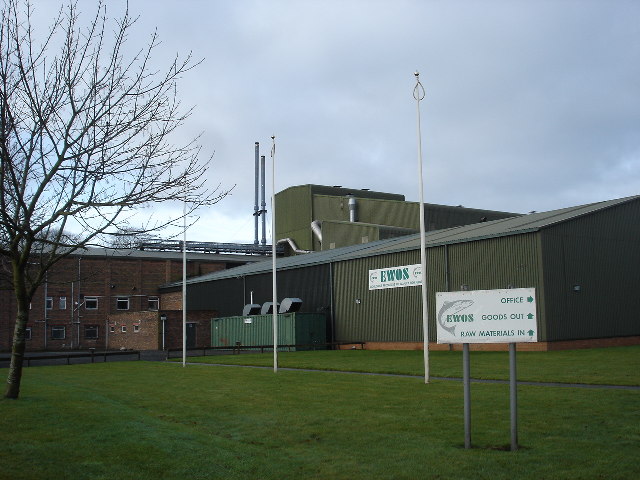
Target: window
136 328
91 303
153 304
58 333
122 303
27 333
112 329
123 329
91 331
62 303
49 303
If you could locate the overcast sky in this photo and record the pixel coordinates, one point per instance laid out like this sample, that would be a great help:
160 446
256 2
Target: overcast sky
530 105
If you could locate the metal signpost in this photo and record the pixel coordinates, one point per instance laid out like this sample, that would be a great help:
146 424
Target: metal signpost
487 316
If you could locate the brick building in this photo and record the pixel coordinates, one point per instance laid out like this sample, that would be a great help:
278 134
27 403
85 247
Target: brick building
106 298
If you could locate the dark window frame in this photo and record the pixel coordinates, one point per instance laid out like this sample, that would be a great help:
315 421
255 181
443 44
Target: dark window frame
121 301
91 301
88 328
55 332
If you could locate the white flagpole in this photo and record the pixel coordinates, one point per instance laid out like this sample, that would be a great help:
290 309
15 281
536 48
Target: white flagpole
419 94
184 287
273 254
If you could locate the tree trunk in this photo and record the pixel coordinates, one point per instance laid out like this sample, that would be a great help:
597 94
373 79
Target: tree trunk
17 352
23 298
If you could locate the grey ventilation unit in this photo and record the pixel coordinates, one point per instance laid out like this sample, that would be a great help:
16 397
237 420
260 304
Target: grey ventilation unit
251 309
267 308
290 305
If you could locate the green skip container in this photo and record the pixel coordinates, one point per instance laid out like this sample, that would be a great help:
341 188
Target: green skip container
302 330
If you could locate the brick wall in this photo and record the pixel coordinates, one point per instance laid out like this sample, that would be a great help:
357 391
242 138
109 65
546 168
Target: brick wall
74 281
134 331
171 301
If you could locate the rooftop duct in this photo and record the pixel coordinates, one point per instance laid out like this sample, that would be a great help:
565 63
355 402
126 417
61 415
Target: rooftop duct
251 309
290 305
317 230
267 308
353 208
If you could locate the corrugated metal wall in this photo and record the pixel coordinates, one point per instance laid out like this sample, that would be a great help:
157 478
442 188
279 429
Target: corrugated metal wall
389 315
293 218
224 296
229 296
336 235
600 254
395 315
496 263
382 212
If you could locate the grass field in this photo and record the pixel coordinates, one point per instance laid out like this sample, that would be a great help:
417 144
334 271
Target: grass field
142 420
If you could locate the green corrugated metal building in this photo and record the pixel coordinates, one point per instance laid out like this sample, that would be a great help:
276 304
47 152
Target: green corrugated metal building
375 216
583 262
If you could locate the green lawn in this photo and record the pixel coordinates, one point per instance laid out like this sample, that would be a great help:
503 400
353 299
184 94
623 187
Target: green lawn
617 366
143 420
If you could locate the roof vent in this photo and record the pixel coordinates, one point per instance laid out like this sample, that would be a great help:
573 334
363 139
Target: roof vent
251 309
290 305
267 308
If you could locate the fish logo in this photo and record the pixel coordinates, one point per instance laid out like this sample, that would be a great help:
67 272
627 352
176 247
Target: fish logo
449 308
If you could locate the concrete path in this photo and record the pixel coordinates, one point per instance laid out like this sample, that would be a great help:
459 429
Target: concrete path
455 379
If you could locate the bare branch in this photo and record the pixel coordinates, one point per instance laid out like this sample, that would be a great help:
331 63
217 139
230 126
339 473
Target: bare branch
86 138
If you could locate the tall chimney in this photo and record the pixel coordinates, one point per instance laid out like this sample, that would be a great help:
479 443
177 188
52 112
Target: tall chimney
264 205
256 212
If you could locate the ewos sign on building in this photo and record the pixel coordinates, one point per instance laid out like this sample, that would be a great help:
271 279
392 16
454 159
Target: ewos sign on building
487 316
394 277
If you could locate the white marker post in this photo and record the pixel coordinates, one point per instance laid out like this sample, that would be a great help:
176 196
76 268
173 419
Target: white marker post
274 307
419 94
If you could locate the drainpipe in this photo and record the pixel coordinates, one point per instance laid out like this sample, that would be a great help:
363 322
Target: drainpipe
163 319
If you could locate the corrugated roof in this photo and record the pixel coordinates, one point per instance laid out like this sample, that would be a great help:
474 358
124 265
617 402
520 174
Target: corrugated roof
477 231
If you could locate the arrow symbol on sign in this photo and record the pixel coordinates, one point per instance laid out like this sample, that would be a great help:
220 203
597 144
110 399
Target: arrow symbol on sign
529 299
530 332
530 316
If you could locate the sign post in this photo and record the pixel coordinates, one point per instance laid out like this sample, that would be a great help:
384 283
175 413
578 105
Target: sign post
513 397
488 316
466 380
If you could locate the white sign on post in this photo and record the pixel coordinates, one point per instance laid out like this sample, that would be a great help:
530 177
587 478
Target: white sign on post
487 316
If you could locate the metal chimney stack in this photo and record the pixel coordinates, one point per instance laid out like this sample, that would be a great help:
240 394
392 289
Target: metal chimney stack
353 208
264 205
256 212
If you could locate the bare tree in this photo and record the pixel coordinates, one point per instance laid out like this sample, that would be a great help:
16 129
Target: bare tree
85 139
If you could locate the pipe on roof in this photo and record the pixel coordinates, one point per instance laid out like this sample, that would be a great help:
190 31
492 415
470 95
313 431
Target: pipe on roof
317 230
293 245
353 209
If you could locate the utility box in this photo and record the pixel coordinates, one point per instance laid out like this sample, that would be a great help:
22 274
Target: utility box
303 329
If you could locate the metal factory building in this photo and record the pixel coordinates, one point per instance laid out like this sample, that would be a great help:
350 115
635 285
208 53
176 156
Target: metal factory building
583 262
